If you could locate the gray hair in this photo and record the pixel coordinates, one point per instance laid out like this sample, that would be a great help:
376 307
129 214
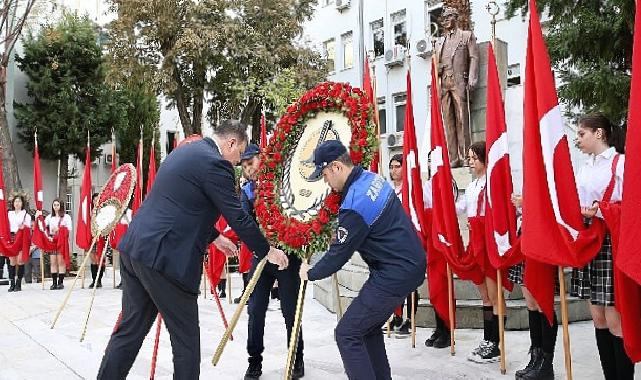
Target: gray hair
232 128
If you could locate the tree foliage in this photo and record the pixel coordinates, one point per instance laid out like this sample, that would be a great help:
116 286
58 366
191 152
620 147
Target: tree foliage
590 44
67 90
214 53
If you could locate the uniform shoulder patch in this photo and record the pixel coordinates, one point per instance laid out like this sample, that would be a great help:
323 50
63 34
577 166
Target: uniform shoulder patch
341 234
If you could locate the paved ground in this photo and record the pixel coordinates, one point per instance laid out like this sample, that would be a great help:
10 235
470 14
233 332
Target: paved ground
29 349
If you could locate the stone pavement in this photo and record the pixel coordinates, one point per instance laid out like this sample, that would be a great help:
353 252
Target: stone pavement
29 349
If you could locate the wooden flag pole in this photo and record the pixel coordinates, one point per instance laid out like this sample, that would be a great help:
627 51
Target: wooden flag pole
450 302
243 300
73 284
113 265
103 259
501 302
566 330
228 283
293 339
42 268
339 305
413 316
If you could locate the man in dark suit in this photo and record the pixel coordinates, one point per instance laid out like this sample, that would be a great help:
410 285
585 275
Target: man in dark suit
161 253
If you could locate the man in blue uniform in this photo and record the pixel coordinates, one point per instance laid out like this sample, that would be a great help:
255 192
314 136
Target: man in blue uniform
288 284
161 253
371 221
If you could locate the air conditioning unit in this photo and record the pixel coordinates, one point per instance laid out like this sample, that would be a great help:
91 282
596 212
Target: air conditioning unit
513 71
342 4
423 49
395 56
109 158
395 140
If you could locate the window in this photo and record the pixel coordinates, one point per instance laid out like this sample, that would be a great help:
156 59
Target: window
171 141
325 3
433 11
329 50
378 38
348 50
382 122
399 107
514 75
399 27
69 205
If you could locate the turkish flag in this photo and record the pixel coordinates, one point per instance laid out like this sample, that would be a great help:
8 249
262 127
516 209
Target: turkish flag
502 245
370 91
445 231
138 189
151 173
626 255
83 226
412 190
4 218
553 230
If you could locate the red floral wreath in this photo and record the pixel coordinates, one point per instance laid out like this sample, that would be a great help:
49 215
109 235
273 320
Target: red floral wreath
294 236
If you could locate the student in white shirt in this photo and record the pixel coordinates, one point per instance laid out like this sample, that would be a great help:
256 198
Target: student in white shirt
18 218
53 222
468 204
96 251
604 143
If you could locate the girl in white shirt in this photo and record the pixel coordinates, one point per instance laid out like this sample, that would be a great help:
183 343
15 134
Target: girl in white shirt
53 222
18 218
604 143
469 204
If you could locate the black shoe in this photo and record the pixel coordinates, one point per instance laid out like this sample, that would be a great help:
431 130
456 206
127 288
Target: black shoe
222 295
299 370
237 300
536 356
544 370
119 286
12 288
18 286
92 284
254 372
430 341
489 353
405 328
60 287
99 284
394 324
443 340
53 287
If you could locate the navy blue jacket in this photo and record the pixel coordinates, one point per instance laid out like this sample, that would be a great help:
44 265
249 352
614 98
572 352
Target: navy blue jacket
174 225
373 222
247 198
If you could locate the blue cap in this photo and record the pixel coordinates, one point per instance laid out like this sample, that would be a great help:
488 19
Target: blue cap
325 154
250 152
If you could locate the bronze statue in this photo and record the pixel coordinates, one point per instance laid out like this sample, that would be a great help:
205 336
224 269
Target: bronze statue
458 65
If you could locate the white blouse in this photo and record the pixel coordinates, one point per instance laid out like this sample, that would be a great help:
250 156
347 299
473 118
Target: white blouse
594 177
467 204
52 222
17 219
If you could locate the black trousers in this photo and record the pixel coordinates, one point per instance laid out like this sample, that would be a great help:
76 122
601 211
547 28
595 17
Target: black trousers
147 292
288 284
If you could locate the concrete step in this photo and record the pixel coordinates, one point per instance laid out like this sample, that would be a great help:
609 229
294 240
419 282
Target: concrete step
468 312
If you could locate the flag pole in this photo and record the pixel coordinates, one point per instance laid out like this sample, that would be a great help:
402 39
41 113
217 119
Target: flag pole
42 258
103 259
450 278
83 269
493 9
73 284
339 306
413 314
566 330
154 356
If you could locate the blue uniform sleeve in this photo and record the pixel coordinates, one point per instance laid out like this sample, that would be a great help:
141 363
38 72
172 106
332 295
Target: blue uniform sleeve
352 231
245 202
220 188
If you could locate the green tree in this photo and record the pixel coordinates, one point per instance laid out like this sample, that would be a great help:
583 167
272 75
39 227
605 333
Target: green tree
69 97
141 109
221 50
14 14
590 45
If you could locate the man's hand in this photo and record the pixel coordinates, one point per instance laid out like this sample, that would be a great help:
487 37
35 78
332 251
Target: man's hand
226 246
278 257
304 268
38 214
471 84
589 212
